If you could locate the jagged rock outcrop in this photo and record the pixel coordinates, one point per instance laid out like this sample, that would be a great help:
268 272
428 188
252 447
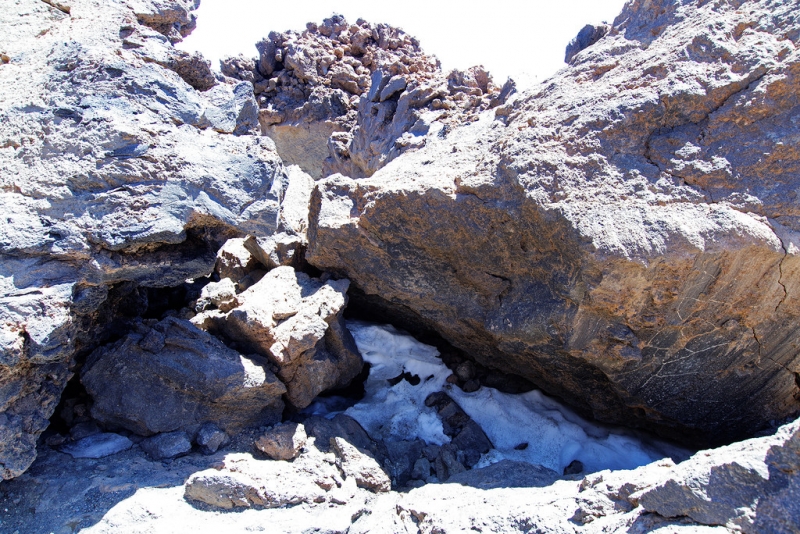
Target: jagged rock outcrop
296 322
349 98
116 174
624 236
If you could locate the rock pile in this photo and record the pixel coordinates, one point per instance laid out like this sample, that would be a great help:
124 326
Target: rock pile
349 98
624 237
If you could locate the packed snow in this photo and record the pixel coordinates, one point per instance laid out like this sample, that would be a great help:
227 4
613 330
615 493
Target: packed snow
529 427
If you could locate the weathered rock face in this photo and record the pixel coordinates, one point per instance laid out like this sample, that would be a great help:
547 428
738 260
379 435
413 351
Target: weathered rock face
349 98
297 323
114 170
174 376
625 236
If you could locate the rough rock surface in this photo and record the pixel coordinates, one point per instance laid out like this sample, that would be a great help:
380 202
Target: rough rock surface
360 466
167 445
175 376
283 442
624 236
101 496
246 482
349 98
296 322
113 171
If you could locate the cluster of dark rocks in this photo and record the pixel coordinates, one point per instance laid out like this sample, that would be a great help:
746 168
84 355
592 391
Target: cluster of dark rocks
349 98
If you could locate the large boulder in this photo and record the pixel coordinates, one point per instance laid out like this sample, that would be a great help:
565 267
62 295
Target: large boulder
625 236
341 97
177 377
113 173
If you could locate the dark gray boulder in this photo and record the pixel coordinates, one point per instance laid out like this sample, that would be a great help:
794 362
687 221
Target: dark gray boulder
187 379
167 446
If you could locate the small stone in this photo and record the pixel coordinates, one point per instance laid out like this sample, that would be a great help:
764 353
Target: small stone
447 463
167 446
465 371
471 386
221 294
283 442
234 261
210 438
422 469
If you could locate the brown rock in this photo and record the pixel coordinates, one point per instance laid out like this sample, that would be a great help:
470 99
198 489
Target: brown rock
283 442
618 236
296 322
363 468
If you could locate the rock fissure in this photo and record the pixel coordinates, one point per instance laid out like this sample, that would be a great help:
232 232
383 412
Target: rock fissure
780 277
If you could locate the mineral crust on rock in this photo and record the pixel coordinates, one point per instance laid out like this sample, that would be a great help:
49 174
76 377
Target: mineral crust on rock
625 235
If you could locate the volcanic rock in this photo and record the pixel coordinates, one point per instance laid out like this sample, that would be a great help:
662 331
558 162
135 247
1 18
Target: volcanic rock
210 438
617 236
349 98
112 175
363 468
282 442
296 322
246 482
167 446
234 261
190 379
97 445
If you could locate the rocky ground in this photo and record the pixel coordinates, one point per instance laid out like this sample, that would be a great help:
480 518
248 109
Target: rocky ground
747 487
187 259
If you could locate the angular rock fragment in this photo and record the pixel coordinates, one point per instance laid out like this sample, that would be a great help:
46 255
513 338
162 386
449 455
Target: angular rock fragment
210 438
221 295
364 469
283 442
193 378
341 426
167 445
467 436
234 261
296 322
447 464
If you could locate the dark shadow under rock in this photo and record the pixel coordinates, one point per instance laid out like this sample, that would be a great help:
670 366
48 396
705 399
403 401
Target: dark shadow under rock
506 474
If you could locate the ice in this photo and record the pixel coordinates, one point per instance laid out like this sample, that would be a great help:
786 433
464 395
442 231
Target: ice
398 412
554 434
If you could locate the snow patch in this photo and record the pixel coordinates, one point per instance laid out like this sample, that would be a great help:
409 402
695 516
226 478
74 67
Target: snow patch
529 427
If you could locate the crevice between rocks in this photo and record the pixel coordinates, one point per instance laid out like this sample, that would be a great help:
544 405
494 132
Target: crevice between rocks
761 72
